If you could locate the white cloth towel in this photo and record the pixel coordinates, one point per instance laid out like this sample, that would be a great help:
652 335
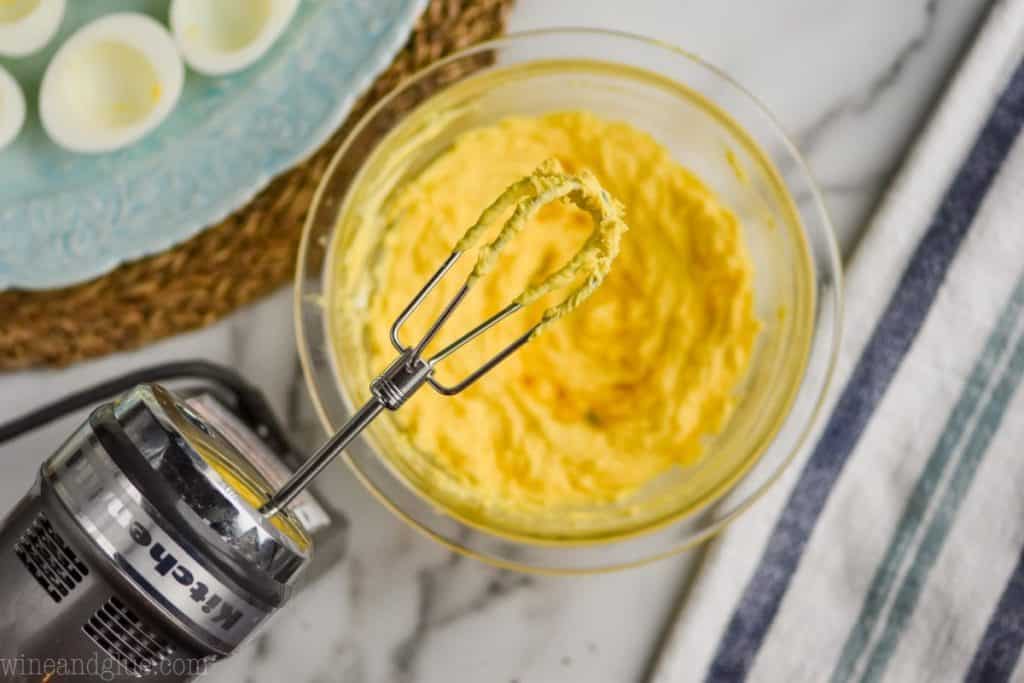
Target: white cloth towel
893 548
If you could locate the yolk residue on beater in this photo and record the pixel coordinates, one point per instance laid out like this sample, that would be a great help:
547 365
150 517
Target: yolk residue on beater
612 395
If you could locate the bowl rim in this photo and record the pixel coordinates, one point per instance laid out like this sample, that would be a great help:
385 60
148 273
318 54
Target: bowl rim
835 295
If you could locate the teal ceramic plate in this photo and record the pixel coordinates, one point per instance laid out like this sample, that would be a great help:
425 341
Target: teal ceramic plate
66 218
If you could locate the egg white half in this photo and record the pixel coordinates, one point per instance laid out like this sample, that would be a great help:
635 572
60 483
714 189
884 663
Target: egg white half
12 108
111 83
26 26
218 37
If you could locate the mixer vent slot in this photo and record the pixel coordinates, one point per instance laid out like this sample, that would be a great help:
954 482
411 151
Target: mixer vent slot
49 559
126 638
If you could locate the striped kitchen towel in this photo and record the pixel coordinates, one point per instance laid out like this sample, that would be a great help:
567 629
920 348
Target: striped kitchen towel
893 549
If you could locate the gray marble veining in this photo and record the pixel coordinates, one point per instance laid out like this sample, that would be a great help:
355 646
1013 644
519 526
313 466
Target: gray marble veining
867 97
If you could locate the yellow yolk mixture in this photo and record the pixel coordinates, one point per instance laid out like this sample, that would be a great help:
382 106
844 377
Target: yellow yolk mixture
610 396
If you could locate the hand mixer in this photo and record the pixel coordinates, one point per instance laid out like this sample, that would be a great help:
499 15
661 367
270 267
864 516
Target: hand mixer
152 543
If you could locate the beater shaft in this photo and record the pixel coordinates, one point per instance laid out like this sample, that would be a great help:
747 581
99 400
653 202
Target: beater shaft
323 456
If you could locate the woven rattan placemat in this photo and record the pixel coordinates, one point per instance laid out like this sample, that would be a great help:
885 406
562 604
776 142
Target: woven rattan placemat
237 261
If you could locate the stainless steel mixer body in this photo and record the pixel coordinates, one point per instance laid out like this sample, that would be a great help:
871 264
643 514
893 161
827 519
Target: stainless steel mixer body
130 557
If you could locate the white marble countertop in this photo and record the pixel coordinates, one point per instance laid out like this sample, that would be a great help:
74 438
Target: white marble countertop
851 81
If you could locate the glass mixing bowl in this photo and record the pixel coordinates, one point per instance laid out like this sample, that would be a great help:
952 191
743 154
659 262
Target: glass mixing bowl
711 126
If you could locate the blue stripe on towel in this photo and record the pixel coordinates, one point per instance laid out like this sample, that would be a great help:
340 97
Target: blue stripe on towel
1000 647
927 554
967 415
889 343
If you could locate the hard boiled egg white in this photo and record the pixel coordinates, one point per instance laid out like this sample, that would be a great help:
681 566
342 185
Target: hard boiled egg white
28 25
110 84
219 37
12 108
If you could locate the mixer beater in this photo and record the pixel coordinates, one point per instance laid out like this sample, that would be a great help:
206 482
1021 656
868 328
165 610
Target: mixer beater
412 369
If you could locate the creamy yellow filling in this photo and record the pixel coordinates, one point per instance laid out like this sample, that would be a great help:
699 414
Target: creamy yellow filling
629 385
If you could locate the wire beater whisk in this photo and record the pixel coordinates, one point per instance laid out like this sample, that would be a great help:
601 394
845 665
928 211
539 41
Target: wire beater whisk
412 368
